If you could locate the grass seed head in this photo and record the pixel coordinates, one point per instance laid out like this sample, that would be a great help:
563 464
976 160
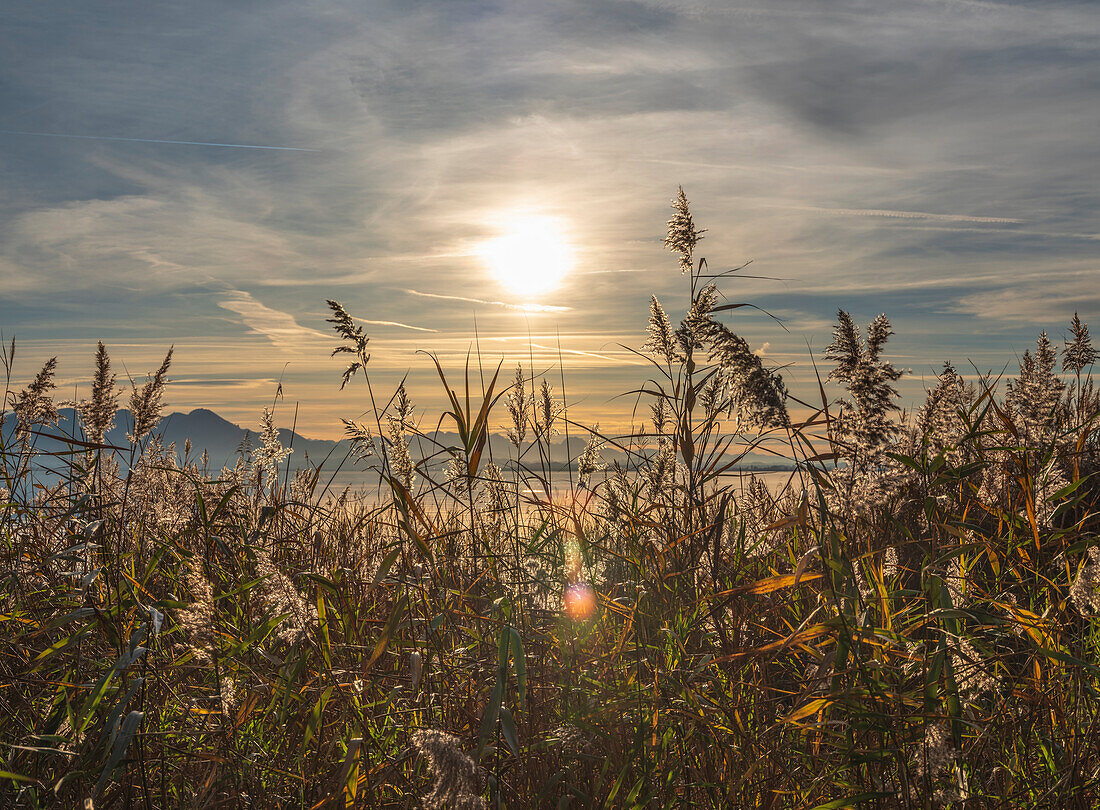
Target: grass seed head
147 402
682 235
97 414
457 777
33 405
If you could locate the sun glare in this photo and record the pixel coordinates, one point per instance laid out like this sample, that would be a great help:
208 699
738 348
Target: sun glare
530 257
579 602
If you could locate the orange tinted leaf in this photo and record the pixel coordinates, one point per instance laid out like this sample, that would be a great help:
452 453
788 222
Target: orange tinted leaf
813 707
771 584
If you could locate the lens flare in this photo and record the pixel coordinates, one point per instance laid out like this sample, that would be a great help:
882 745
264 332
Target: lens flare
580 602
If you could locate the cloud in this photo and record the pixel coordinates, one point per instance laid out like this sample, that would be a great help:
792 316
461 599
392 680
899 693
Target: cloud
532 308
621 360
239 382
278 327
871 212
154 140
156 242
1037 303
395 323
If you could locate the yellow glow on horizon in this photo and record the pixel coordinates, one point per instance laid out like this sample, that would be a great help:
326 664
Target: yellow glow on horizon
530 257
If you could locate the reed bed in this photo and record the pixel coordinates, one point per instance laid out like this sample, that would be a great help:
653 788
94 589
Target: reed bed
910 623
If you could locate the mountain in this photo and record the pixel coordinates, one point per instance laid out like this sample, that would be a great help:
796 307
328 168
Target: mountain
221 439
207 431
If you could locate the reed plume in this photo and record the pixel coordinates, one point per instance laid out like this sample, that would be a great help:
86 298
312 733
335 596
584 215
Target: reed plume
682 235
33 405
355 341
147 402
457 777
97 413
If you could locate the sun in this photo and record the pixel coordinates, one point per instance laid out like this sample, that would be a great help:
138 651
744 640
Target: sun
530 257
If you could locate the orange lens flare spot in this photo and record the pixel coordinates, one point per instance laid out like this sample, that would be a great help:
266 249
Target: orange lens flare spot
580 602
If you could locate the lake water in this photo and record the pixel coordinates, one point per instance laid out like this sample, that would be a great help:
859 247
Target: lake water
366 483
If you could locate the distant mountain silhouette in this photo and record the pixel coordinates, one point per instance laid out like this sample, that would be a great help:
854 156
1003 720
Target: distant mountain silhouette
221 439
206 429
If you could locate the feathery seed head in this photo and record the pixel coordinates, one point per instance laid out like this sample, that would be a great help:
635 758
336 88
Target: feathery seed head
360 438
846 348
890 563
698 323
279 597
1035 395
662 415
878 333
500 498
457 777
864 425
682 235
355 341
33 405
1085 590
197 620
660 340
517 409
457 473
547 410
271 453
401 463
935 763
714 395
938 418
227 694
759 394
589 460
404 406
661 472
936 752
97 414
1078 353
971 669
147 401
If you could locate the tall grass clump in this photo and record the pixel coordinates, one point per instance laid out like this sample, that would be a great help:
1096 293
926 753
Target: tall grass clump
911 620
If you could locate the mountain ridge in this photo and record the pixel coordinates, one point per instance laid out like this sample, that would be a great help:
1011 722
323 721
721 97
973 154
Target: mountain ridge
222 440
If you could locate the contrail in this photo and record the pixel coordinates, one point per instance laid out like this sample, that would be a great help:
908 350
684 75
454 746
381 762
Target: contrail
402 325
880 212
156 140
516 307
588 354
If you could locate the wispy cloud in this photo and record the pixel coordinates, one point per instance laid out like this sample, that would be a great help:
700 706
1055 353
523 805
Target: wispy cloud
238 382
1045 297
395 323
279 327
154 140
532 308
877 212
621 360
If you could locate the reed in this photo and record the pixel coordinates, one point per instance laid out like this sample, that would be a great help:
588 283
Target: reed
911 622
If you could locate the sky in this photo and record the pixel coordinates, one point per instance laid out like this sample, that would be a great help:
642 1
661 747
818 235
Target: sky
207 174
